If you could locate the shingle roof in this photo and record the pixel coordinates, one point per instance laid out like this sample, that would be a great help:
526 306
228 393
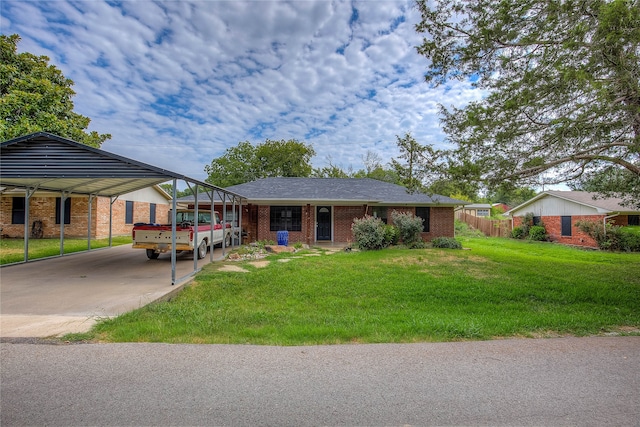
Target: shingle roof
358 190
586 198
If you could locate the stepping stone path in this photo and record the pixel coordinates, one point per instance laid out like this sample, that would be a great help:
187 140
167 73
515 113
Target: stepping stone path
271 249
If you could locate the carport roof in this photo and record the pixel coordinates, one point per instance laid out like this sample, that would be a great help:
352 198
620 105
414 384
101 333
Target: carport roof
44 161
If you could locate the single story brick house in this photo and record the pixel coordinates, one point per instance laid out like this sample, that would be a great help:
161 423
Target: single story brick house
560 210
315 210
151 204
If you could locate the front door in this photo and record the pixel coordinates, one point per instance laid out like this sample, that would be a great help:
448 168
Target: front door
323 217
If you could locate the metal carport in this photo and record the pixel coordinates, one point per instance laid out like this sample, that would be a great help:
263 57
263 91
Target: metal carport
43 161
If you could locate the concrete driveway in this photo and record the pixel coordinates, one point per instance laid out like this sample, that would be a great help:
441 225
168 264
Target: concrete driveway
62 295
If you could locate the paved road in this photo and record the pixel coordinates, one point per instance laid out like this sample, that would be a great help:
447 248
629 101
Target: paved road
565 381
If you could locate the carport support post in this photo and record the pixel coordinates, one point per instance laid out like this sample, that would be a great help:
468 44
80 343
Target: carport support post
27 198
212 224
224 222
196 223
63 200
234 226
111 202
91 196
174 196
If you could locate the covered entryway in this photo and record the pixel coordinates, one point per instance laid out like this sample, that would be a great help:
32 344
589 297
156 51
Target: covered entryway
323 218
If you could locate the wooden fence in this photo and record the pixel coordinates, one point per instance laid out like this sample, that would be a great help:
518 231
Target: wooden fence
490 227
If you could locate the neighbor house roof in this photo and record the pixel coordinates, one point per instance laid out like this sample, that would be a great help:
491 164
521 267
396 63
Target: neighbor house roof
332 190
478 206
605 206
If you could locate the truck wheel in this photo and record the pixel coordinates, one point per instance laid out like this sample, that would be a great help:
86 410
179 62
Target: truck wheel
151 254
202 249
227 241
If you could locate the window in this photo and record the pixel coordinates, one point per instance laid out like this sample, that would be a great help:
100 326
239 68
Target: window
152 213
482 212
17 210
537 220
128 215
634 220
67 210
380 212
425 214
287 218
565 225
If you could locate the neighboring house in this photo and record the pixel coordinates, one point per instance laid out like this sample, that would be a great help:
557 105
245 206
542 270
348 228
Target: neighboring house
560 210
146 205
476 209
482 210
323 209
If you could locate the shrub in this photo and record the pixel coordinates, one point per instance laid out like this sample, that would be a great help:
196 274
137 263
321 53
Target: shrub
446 243
368 232
630 239
518 232
391 235
611 237
409 227
538 233
462 229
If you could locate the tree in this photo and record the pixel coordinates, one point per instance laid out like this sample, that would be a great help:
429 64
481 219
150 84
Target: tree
511 196
419 162
36 96
284 158
563 84
330 171
246 162
236 166
612 181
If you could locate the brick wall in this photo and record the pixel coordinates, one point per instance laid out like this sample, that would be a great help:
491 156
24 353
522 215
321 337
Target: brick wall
441 224
44 209
256 222
343 217
553 225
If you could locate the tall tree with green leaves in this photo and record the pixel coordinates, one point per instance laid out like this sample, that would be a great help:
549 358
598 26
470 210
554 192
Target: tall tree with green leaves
417 163
562 80
36 96
246 162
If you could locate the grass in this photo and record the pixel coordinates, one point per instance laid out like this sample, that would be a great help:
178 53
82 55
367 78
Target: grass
498 288
12 250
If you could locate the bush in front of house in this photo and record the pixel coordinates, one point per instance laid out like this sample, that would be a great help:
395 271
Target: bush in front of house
446 243
538 233
391 235
611 237
369 233
519 232
530 231
409 227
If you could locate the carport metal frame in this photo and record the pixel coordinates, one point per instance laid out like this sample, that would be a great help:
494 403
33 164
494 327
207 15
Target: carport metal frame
45 162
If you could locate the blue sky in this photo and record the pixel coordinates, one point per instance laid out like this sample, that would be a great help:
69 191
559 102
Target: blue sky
178 82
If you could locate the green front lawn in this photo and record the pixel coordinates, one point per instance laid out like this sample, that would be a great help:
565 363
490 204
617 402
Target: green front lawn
498 288
12 250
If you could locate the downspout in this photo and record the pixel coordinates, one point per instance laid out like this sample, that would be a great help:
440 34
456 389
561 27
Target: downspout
604 221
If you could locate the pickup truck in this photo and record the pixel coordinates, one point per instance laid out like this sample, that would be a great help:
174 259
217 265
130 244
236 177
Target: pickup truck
156 238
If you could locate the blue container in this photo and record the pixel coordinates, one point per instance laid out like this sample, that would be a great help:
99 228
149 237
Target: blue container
283 238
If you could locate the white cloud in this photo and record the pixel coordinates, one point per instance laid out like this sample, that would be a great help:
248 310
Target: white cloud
176 83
